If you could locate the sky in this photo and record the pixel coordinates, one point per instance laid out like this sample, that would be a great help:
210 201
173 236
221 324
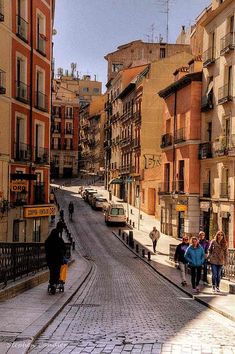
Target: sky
87 30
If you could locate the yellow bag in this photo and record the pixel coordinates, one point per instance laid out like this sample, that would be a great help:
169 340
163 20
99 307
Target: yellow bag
63 272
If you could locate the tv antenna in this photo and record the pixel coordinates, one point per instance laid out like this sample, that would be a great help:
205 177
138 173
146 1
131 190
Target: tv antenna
166 10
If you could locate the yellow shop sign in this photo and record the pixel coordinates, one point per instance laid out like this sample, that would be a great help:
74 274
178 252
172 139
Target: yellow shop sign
19 186
181 207
39 211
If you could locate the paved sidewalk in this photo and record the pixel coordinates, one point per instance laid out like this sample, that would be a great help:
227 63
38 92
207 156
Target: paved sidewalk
25 316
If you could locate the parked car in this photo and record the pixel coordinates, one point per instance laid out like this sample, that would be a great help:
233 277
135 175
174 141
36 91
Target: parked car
115 213
94 197
100 203
85 193
90 195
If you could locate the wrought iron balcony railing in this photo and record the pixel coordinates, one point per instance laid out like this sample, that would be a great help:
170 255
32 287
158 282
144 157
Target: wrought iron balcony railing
207 102
179 136
224 190
205 151
166 141
164 187
2 82
41 44
41 155
208 57
21 151
227 43
136 143
41 101
206 190
178 186
225 94
22 28
22 92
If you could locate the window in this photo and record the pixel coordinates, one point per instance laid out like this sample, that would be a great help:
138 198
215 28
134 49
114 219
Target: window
40 98
37 230
69 112
116 67
117 211
41 34
22 90
21 23
162 53
96 90
85 89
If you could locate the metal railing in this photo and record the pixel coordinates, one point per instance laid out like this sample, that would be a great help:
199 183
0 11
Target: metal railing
164 187
205 151
22 28
178 186
41 155
179 136
225 94
22 259
22 92
227 43
166 140
21 151
41 101
208 57
41 44
2 82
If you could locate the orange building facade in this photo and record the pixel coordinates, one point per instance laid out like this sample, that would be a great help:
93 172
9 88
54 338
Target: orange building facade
29 120
180 189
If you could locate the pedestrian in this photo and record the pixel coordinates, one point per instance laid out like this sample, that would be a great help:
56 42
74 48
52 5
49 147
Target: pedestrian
55 251
71 210
60 226
179 257
204 243
195 257
154 235
218 255
62 214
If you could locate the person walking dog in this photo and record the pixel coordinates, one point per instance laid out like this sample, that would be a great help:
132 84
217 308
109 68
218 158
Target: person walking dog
218 254
154 235
195 257
179 257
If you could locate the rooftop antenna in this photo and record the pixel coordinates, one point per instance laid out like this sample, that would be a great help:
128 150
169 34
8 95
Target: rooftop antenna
166 10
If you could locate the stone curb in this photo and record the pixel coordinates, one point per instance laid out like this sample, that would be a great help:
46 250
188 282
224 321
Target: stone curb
25 340
221 312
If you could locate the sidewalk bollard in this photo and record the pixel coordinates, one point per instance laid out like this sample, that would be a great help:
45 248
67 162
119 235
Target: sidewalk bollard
119 232
133 224
131 241
137 248
143 253
73 245
149 256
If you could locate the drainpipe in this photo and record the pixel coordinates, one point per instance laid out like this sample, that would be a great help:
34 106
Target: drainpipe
31 98
174 132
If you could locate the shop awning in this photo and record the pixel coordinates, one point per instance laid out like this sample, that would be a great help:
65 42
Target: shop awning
116 181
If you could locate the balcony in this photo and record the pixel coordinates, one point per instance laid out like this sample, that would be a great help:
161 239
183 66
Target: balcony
136 143
22 92
179 136
55 146
2 82
21 151
164 188
207 102
41 155
136 117
68 146
124 169
206 190
225 94
205 151
69 116
55 130
224 190
125 141
1 11
22 28
208 57
227 43
166 141
178 186
39 193
41 101
69 131
41 44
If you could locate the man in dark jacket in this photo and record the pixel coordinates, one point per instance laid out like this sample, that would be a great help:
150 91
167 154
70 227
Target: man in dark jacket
55 252
179 257
205 245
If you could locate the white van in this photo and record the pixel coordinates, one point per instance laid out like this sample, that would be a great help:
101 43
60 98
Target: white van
115 213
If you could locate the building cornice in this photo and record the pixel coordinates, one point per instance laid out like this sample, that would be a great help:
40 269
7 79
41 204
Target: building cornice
216 12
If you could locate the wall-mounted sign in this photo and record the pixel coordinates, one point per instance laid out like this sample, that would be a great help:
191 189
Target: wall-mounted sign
19 186
181 207
38 211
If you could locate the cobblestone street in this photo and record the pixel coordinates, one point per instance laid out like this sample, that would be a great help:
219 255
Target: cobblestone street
127 307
